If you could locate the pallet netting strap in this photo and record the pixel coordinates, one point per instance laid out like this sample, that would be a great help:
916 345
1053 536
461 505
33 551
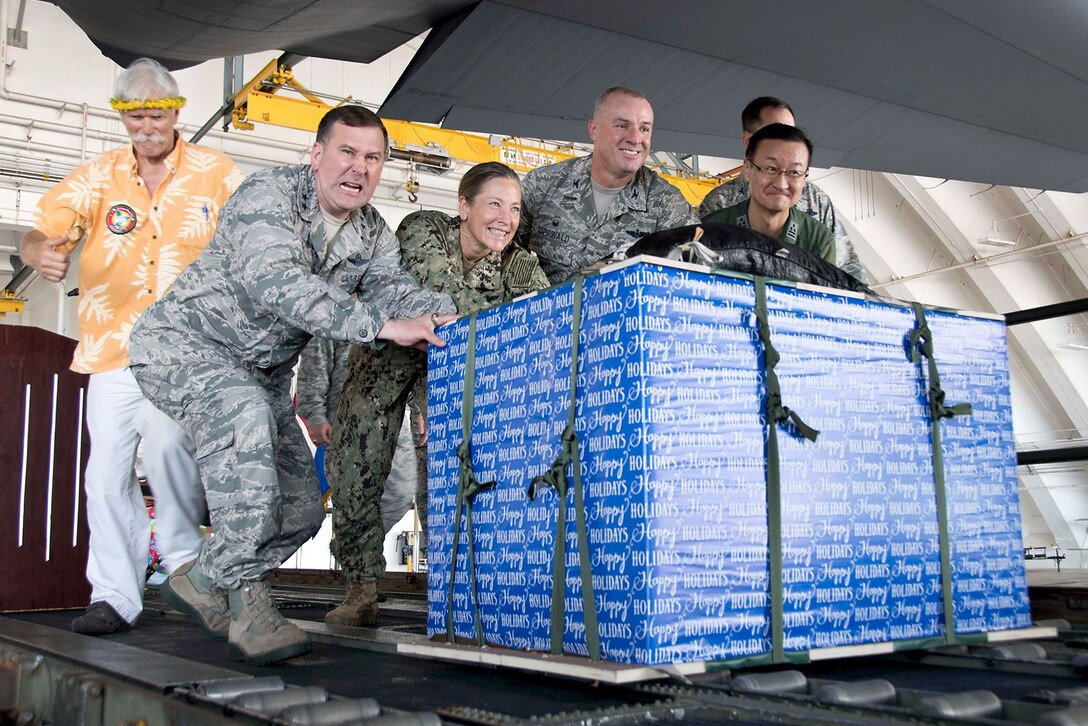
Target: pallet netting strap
776 413
921 343
556 477
467 489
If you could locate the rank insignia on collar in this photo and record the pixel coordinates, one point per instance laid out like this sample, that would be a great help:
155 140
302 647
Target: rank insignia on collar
792 231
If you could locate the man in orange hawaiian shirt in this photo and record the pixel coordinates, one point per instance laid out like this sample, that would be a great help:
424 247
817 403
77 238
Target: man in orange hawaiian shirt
148 210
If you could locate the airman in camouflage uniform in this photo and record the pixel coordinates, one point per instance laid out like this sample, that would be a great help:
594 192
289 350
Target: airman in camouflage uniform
297 252
581 211
378 388
322 370
814 200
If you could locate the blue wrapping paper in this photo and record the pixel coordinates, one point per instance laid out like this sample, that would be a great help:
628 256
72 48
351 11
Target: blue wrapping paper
670 419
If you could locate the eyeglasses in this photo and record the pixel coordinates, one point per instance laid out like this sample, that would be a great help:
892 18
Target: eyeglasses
791 174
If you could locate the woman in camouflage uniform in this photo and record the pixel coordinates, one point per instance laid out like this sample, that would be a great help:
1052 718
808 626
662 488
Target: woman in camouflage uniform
468 256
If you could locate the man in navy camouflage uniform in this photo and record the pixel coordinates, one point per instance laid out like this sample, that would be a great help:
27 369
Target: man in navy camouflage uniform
298 251
581 211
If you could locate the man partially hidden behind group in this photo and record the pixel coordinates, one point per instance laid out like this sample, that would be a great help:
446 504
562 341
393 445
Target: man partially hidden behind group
322 370
775 166
812 200
584 210
148 209
468 256
298 252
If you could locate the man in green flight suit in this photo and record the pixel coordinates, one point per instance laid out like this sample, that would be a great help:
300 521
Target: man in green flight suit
775 166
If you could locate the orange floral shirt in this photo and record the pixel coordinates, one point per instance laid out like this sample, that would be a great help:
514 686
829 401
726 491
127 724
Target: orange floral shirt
136 244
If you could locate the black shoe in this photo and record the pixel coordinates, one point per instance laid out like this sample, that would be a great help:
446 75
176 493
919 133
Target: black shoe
100 619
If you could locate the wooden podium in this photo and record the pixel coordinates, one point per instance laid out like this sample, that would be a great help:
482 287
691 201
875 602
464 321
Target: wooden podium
43 451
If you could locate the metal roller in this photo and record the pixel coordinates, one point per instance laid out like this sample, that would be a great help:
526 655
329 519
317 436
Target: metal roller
227 689
272 702
770 683
1018 651
876 691
1062 696
968 704
1065 717
331 713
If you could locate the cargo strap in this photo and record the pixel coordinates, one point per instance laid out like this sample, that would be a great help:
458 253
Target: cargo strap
921 340
467 489
776 413
556 477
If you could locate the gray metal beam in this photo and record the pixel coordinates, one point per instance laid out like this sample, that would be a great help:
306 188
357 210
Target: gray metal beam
1052 456
1046 312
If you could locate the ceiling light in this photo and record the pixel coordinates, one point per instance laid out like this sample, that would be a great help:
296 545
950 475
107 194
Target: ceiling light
1074 338
992 236
993 239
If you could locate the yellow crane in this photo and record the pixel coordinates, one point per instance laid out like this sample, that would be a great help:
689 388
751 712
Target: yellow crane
422 143
9 303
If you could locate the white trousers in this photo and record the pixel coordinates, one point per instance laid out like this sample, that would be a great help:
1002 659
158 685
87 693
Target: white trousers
118 417
400 487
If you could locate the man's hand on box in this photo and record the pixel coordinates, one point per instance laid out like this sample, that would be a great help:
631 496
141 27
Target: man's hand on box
416 332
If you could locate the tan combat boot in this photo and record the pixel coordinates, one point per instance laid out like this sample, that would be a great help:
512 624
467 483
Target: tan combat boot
189 591
360 606
259 635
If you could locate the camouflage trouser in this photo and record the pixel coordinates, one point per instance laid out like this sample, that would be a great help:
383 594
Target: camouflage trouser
364 438
258 475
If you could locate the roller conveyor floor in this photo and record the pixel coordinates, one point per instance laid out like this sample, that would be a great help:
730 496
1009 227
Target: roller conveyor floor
170 661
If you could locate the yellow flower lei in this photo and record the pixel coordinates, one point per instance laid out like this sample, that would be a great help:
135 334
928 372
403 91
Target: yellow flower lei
119 105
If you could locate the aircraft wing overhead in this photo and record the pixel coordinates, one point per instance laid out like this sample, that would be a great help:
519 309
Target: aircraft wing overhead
992 91
977 90
181 33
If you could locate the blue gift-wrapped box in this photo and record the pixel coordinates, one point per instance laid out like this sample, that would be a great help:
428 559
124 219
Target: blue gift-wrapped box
688 561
